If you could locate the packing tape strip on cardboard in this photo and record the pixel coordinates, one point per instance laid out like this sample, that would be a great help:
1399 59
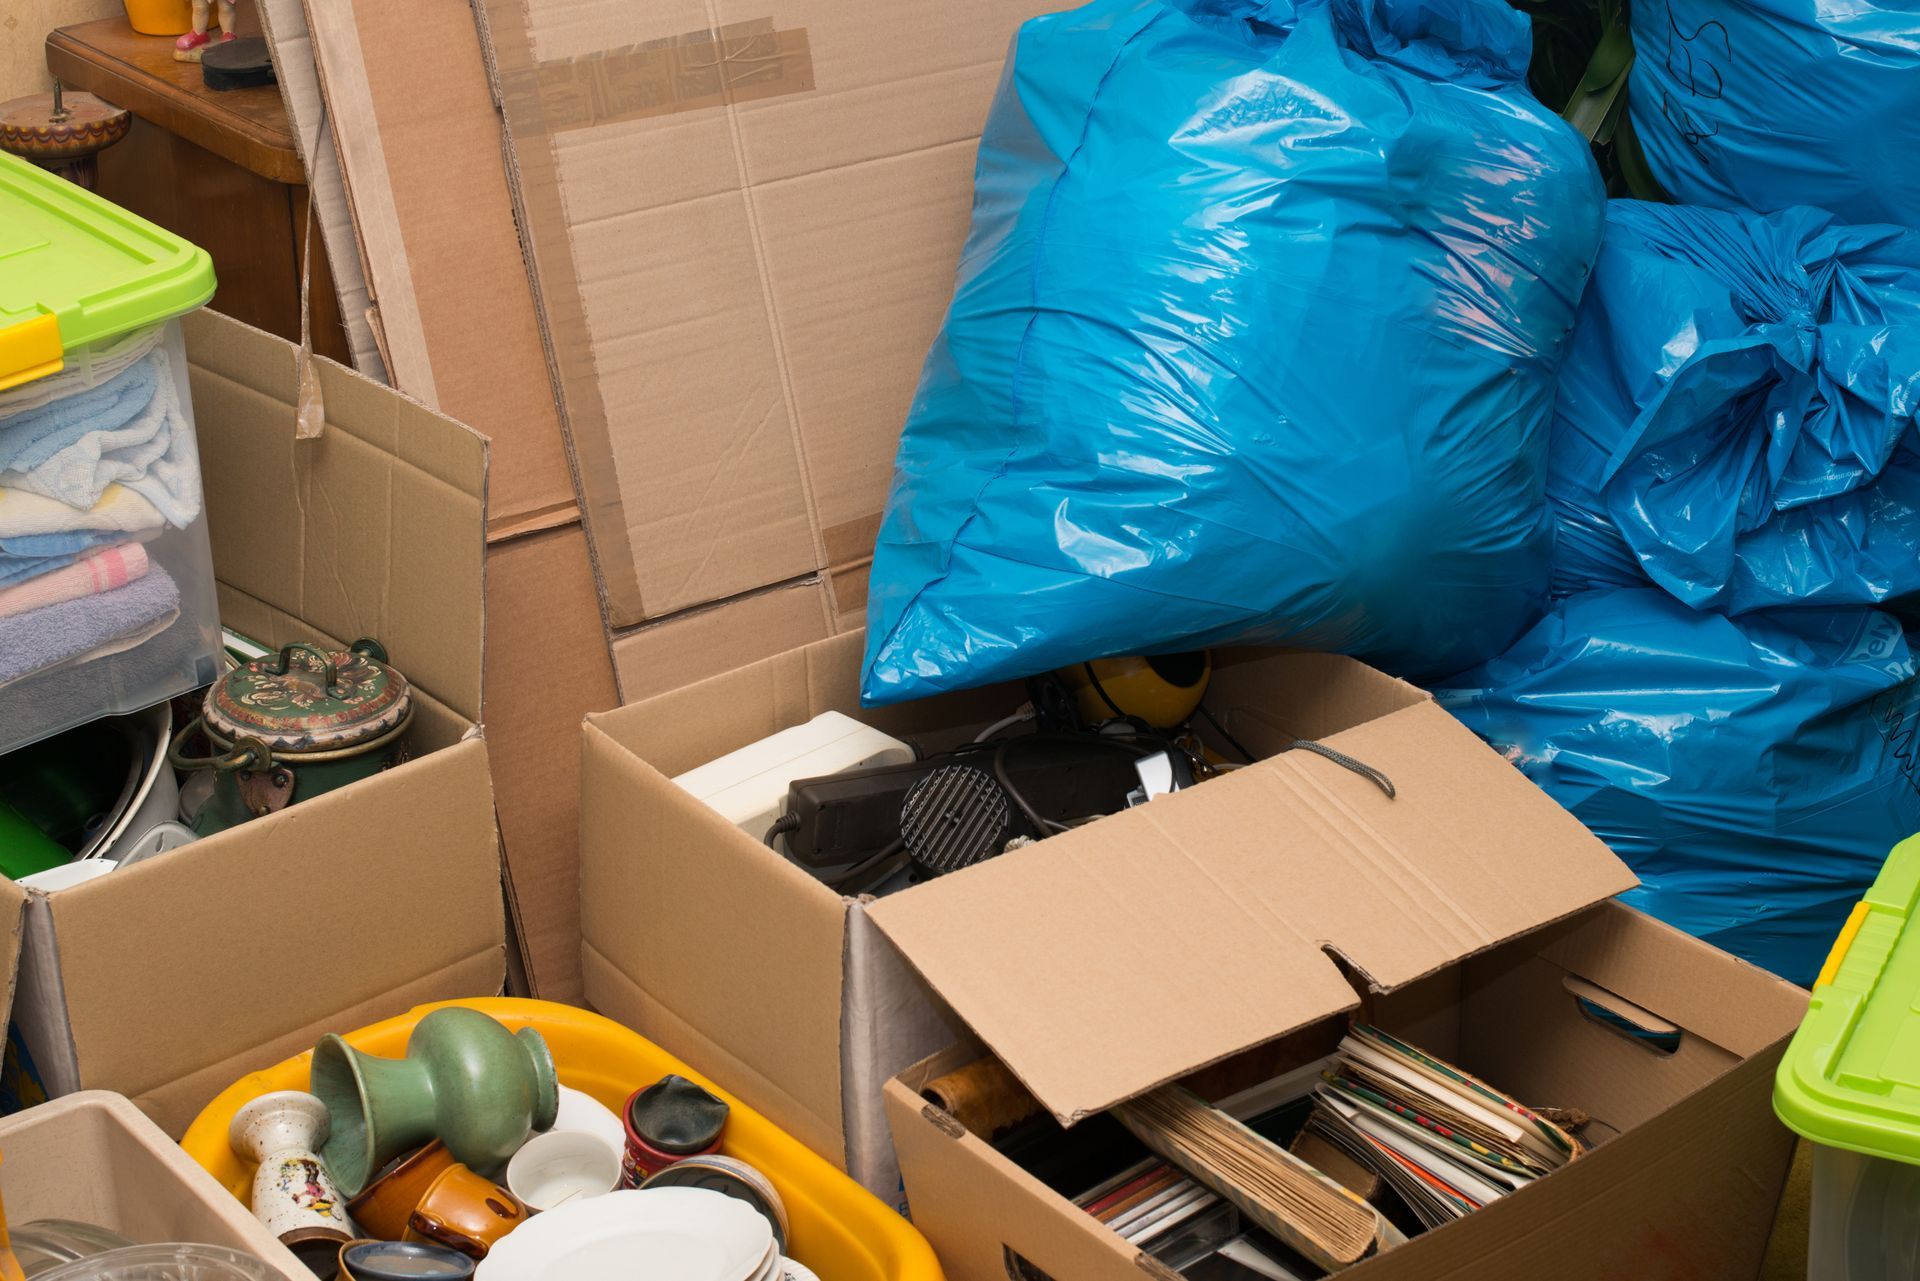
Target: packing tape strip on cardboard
694 71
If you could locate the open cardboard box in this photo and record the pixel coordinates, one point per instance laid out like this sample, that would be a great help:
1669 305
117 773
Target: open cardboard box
93 1157
1683 1181
1108 960
167 980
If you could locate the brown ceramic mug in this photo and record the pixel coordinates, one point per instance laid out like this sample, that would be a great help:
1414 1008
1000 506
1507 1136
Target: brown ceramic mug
465 1212
383 1209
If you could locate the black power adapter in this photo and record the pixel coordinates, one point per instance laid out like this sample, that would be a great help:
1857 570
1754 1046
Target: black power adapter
957 808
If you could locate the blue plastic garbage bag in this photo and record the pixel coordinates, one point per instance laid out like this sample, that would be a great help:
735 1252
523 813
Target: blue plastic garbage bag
1752 771
1254 336
1736 412
1767 104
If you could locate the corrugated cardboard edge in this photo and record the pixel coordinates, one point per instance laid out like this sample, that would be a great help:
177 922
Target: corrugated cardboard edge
13 911
534 187
284 23
346 100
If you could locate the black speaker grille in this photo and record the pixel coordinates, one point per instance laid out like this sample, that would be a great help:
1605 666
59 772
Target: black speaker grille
953 818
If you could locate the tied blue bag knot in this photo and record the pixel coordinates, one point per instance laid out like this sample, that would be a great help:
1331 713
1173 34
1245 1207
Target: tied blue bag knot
1254 337
1736 414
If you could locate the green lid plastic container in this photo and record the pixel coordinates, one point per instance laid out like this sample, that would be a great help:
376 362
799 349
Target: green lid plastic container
75 269
1851 1076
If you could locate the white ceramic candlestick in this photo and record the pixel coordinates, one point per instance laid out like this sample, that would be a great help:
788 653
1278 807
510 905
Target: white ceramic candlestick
292 1192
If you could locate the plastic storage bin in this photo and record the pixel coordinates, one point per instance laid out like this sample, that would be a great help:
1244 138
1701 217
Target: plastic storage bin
840 1231
1850 1082
107 597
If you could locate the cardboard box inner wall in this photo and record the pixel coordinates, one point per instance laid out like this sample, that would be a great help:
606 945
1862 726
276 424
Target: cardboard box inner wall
702 938
743 222
93 1157
167 980
1684 1181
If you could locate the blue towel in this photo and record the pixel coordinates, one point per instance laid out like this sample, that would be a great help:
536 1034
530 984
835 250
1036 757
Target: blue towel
129 430
18 569
32 555
42 638
30 438
71 542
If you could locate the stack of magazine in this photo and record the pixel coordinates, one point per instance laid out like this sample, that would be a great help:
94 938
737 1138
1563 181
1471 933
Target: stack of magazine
1446 1142
1423 1142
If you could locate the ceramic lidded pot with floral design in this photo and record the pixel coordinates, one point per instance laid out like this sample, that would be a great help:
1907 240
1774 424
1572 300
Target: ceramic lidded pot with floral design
293 726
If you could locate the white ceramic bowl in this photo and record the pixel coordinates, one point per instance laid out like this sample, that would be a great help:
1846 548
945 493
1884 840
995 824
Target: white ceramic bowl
562 1166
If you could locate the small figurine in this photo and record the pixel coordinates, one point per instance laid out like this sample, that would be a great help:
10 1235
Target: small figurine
189 47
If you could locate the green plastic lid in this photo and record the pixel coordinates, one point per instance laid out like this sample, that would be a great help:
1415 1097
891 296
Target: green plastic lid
75 269
1851 1076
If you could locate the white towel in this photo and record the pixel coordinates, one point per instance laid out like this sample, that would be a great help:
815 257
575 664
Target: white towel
23 514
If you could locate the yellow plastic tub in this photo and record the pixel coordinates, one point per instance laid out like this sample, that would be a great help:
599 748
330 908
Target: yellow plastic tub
840 1230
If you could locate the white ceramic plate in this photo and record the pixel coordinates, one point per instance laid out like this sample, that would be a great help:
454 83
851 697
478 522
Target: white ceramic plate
581 1113
688 1234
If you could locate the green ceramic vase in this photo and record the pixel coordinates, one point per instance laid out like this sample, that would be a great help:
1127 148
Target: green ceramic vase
466 1080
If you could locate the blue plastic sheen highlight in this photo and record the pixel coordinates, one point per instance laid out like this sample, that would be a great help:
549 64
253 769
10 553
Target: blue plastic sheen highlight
1254 337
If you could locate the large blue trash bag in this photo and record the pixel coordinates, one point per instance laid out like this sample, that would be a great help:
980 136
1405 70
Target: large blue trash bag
1254 336
1736 411
1767 104
1752 771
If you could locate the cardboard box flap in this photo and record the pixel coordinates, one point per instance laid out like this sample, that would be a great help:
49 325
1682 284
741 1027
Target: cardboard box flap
13 911
375 528
1227 912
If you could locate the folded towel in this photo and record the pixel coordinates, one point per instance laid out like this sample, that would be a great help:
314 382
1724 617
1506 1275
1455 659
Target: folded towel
85 369
100 572
21 569
93 625
130 430
177 658
23 514
71 546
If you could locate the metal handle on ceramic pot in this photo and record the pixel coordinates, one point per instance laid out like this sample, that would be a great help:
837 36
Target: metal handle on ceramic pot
247 753
313 651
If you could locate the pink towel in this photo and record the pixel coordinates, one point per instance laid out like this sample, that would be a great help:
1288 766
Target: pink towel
101 572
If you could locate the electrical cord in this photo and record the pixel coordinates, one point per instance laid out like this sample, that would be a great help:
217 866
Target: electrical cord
788 822
1232 742
891 850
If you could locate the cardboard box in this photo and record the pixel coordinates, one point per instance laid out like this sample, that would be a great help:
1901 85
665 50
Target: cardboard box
703 939
93 1157
167 980
742 223
1683 1184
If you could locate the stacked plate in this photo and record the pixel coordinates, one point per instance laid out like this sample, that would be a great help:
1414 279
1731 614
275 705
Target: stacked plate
688 1234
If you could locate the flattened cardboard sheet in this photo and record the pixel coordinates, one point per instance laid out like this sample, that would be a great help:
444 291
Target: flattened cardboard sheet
743 219
1106 961
284 23
419 141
